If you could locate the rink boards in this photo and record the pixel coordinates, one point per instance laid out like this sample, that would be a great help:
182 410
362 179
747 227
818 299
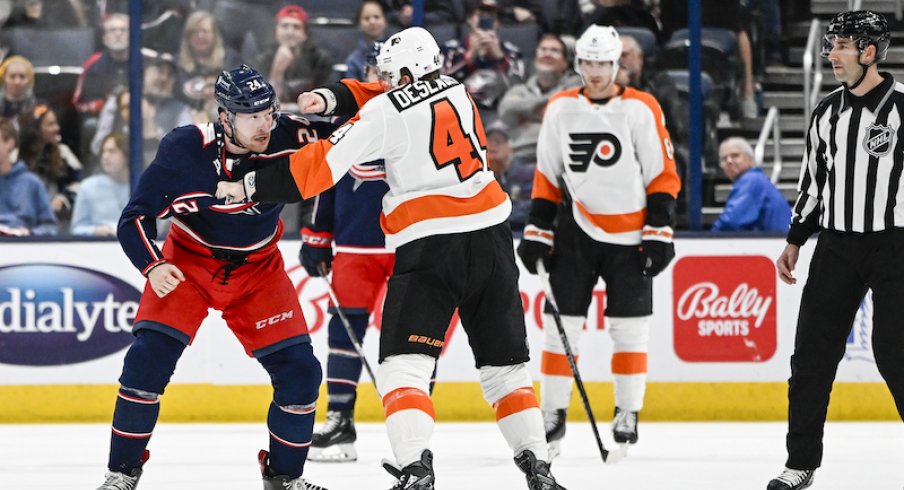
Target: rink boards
721 338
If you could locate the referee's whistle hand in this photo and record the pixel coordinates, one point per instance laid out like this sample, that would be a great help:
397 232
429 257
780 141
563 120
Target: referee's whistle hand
786 263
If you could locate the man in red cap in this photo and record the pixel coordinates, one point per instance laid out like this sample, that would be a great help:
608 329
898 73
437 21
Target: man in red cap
295 64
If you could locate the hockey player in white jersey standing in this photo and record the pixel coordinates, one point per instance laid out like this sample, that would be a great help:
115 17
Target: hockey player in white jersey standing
446 217
605 153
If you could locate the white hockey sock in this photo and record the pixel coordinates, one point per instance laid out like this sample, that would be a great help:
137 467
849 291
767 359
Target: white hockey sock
629 360
404 382
510 391
556 377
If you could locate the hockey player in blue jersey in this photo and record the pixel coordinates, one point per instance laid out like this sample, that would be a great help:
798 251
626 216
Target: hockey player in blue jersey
221 256
347 220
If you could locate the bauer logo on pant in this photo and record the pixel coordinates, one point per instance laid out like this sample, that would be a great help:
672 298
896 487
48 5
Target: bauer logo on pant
724 309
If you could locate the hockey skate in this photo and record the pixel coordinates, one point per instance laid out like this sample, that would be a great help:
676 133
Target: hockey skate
537 472
792 480
554 423
416 476
114 480
335 442
624 426
281 482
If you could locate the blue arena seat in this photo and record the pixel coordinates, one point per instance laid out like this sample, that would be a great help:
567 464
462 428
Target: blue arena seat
525 36
723 40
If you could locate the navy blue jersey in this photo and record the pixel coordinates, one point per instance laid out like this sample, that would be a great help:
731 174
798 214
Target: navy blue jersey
181 184
351 210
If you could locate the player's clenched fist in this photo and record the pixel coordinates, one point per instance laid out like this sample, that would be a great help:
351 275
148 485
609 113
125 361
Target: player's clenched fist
165 278
231 191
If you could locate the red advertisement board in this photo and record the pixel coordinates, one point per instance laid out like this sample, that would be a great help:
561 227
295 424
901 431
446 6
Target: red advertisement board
724 309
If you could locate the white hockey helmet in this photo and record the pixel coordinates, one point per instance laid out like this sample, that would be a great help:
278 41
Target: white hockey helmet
413 48
598 43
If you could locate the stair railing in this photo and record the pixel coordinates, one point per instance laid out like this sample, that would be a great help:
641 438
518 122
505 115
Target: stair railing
771 128
812 69
855 4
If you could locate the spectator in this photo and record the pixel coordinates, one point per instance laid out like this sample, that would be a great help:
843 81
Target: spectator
202 55
726 14
17 82
522 106
41 150
371 19
486 64
102 197
294 64
162 111
630 65
48 14
24 205
515 175
755 204
106 70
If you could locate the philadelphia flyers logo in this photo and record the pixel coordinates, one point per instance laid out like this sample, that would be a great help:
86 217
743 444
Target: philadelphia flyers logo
603 149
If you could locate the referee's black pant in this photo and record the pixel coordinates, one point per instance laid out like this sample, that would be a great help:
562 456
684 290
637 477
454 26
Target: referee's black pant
844 266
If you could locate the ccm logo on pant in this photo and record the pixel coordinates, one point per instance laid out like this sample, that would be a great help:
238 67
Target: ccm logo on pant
273 320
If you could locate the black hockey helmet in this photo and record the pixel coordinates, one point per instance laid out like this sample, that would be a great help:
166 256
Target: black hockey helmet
244 89
864 26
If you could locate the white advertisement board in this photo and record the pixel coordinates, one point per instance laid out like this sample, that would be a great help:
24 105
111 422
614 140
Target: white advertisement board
720 315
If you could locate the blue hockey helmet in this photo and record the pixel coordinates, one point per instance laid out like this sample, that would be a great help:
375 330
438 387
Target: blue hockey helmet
243 90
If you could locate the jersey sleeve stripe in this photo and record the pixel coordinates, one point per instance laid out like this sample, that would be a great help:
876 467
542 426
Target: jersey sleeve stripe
310 169
667 181
435 206
615 223
545 189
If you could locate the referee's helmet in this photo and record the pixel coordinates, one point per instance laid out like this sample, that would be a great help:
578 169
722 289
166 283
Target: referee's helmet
864 26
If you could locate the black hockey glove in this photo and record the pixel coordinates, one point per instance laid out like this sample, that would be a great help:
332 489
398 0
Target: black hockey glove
656 250
316 254
536 245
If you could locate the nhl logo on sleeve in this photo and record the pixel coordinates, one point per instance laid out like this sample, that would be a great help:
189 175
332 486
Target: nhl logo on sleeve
879 140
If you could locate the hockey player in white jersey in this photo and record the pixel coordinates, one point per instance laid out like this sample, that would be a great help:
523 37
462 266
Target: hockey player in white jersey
605 154
446 216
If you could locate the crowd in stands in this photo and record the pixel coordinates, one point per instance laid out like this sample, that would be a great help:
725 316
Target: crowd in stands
65 118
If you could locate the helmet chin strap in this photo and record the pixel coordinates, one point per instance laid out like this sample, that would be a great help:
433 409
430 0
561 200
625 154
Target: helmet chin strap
863 69
230 118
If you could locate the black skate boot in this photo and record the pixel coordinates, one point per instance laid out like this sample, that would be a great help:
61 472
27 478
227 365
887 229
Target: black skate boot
624 426
554 423
416 476
281 482
536 472
114 480
335 441
792 480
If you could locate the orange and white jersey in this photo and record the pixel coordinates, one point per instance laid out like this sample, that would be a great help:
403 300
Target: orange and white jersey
432 140
609 156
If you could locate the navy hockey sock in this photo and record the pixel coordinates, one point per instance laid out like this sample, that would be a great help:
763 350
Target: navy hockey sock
133 423
291 430
343 366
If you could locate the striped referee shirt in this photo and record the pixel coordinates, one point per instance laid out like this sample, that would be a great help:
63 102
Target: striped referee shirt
851 178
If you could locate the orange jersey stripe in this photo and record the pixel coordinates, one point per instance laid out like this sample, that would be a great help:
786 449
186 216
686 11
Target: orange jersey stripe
556 364
310 169
363 91
544 189
629 363
615 223
572 92
668 181
408 399
517 401
431 207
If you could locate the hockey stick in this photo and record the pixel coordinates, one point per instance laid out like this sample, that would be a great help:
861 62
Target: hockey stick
348 328
610 457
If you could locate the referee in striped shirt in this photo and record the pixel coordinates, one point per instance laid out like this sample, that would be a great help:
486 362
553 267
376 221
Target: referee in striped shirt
851 188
